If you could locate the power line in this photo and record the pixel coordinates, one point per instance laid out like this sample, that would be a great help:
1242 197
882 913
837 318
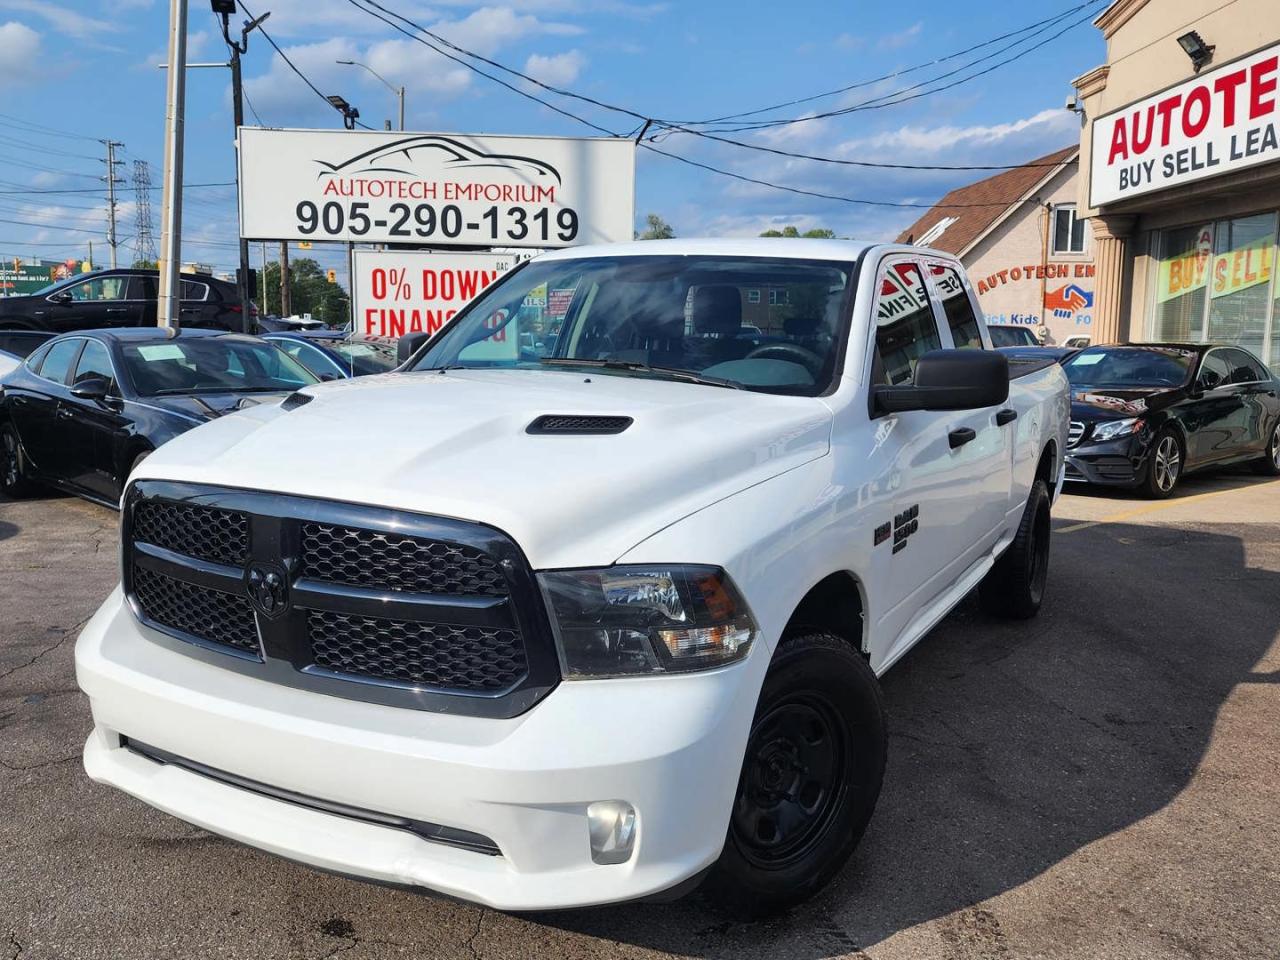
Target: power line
896 73
43 192
42 130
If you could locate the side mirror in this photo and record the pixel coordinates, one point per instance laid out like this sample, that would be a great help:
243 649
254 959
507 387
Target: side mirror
407 345
91 388
949 380
61 297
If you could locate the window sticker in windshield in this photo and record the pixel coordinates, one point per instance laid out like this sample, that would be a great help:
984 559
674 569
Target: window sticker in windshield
161 351
1087 359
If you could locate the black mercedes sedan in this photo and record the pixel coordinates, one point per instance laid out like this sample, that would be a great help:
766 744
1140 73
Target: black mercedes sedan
85 408
1145 414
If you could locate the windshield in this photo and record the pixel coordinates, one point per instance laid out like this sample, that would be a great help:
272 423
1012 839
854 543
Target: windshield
212 365
1130 367
1012 337
364 358
772 325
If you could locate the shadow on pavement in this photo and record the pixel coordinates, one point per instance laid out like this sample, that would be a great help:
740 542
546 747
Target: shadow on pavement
1014 745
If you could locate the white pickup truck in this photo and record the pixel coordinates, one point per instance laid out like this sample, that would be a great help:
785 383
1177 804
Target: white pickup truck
587 621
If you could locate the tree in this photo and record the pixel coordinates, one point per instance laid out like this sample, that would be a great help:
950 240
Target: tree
310 291
656 229
145 265
817 233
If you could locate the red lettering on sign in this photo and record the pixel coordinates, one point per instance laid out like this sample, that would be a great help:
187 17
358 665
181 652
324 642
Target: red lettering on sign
1262 81
1199 96
1226 85
1165 108
1119 143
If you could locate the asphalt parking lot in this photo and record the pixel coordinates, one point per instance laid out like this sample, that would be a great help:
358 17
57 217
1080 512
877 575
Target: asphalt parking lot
1101 782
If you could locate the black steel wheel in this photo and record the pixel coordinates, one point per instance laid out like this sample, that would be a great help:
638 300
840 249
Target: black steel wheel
810 777
1014 586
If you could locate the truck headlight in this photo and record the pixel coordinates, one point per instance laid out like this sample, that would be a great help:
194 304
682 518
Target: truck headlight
1113 429
623 621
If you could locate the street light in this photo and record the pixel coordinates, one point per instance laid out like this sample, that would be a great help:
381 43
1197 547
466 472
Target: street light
349 113
398 91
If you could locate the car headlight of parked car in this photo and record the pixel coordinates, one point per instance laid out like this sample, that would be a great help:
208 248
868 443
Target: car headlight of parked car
1114 429
630 620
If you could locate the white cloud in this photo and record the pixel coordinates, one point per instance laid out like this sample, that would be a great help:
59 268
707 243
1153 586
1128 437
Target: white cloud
490 28
903 38
559 69
19 53
76 25
197 45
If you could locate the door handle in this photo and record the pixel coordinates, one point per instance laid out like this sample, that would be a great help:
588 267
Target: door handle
1006 416
64 413
116 310
961 435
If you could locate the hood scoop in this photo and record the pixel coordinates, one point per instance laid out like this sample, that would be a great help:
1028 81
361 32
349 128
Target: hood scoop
577 424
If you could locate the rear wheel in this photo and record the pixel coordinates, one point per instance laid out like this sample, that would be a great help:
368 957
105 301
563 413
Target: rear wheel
13 466
1164 469
1269 465
1014 587
810 777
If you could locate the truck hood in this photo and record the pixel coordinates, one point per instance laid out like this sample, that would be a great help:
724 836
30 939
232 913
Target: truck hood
456 444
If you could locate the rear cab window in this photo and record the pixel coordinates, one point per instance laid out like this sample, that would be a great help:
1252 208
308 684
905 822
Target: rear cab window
966 332
905 325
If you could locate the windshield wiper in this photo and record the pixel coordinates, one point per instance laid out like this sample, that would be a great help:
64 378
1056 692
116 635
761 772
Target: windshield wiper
673 373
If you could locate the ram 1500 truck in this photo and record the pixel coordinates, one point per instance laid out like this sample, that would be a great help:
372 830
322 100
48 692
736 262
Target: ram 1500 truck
590 620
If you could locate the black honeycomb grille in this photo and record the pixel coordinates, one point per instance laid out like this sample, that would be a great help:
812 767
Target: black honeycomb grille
441 655
207 533
369 558
211 615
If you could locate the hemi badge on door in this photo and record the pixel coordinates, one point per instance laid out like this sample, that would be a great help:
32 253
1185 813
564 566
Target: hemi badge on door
882 533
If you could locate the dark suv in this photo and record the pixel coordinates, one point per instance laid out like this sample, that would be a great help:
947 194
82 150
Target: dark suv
120 298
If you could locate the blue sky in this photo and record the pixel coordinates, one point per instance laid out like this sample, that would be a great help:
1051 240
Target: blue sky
89 68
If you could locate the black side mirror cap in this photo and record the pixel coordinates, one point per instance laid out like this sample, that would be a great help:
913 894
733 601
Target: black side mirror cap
91 388
408 345
61 297
949 380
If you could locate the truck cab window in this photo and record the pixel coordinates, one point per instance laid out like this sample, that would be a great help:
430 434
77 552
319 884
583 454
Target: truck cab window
957 306
906 328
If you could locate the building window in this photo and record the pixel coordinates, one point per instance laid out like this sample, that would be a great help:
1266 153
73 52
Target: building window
753 296
1215 282
1068 230
779 296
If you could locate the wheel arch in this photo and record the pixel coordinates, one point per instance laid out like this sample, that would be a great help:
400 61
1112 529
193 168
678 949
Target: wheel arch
836 604
1046 469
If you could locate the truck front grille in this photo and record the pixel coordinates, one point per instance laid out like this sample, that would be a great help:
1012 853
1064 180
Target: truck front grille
352 601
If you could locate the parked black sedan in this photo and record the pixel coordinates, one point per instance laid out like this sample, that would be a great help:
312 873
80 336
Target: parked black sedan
85 408
1143 415
333 355
109 299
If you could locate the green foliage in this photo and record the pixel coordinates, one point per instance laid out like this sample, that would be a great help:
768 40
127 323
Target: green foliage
656 229
817 233
309 291
146 265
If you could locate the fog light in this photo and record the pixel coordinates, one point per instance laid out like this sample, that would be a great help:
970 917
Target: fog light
612 824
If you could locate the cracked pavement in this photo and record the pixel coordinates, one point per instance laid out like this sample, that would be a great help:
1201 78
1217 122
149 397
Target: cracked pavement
1101 782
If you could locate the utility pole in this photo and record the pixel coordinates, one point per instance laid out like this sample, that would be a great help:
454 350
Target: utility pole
286 298
169 303
224 9
112 180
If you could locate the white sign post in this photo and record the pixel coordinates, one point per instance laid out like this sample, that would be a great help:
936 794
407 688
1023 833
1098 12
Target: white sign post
403 291
1224 120
436 189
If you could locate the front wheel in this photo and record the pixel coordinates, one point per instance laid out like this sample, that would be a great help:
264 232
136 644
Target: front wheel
1269 464
1014 586
810 777
1164 468
13 471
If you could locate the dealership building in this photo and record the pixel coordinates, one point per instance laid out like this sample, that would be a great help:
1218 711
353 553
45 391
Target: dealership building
1027 252
1180 173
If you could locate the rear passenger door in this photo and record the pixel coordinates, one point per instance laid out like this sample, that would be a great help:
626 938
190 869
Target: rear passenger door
931 532
142 293
1257 397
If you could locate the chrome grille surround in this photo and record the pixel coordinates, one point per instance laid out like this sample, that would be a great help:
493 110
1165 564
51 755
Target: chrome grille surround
414 611
1075 432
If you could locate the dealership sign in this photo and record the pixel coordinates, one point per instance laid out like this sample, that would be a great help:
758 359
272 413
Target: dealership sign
1224 120
435 189
399 292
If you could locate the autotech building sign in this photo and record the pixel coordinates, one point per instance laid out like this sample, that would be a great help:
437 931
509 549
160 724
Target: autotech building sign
1224 120
437 189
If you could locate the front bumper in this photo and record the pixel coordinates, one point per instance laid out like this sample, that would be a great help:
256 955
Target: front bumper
1114 463
670 746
